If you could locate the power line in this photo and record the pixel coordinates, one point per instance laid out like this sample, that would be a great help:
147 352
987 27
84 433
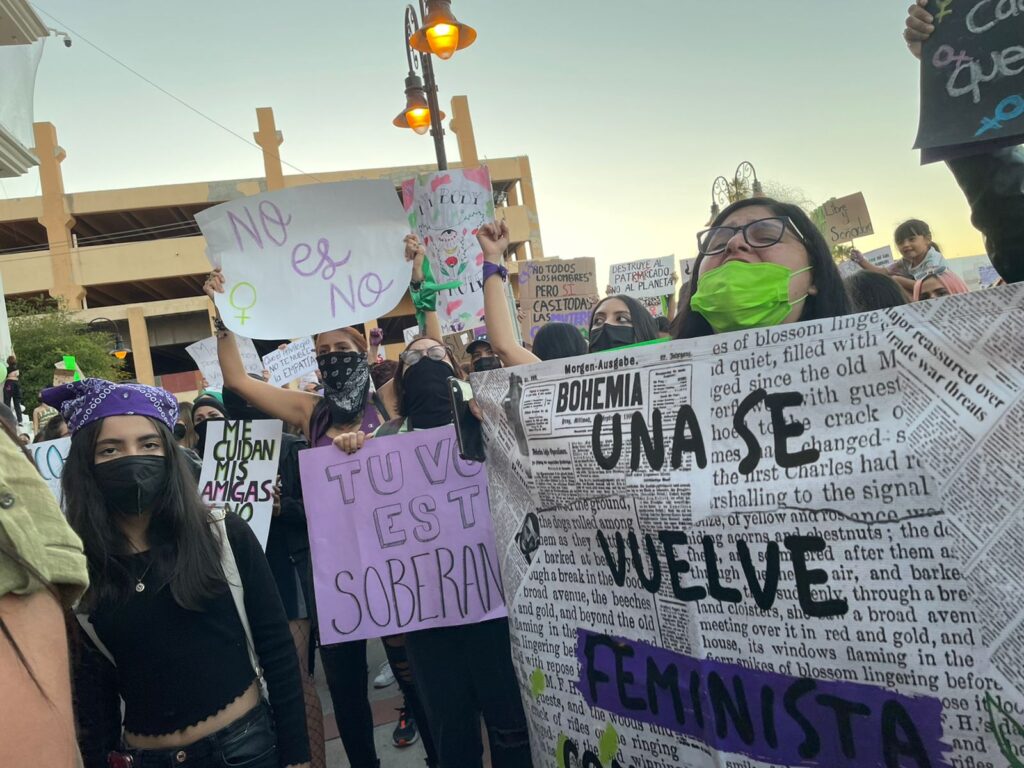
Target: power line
87 41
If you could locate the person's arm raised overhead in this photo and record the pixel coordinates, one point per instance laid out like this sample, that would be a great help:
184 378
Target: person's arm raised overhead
501 334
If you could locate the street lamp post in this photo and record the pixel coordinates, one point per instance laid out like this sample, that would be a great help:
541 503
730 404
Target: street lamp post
725 191
120 349
441 34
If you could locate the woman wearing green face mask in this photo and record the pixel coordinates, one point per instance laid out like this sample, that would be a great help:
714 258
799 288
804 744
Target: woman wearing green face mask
761 263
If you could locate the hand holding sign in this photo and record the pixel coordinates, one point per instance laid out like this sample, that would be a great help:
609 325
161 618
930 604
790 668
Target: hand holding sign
322 243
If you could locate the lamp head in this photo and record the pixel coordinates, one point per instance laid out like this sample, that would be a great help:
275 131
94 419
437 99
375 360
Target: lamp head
441 33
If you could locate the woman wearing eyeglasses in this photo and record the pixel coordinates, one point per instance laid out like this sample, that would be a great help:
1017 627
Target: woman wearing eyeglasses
761 263
347 407
466 671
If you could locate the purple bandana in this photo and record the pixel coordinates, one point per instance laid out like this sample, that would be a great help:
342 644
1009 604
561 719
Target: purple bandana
83 402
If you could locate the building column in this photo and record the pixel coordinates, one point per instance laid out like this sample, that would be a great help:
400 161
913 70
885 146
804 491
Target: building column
56 218
530 202
462 126
270 139
138 334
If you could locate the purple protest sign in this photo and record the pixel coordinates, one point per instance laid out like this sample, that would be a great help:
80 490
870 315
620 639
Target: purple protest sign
772 717
401 537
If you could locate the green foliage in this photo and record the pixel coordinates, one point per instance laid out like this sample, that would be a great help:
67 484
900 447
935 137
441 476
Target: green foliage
42 335
841 253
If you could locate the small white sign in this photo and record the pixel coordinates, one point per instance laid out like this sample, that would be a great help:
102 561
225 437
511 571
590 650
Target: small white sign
204 352
240 470
292 362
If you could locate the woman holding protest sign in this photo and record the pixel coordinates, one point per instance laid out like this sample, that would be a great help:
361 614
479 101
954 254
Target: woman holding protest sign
462 672
348 405
761 263
182 620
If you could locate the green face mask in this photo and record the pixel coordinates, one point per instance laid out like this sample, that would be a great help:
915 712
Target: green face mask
737 295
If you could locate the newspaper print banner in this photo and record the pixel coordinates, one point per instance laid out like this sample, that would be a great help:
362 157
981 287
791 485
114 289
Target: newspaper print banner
644 278
286 365
204 352
794 546
335 249
240 469
446 209
401 537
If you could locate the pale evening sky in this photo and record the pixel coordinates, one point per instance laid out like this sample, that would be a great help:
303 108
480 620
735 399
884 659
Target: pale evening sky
627 117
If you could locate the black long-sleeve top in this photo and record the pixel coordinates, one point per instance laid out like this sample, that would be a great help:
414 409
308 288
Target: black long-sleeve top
177 667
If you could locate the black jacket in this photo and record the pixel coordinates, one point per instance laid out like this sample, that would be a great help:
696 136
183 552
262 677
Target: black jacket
994 186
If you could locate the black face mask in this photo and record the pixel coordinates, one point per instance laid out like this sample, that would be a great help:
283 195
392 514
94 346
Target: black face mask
612 337
134 484
346 380
486 364
425 399
201 433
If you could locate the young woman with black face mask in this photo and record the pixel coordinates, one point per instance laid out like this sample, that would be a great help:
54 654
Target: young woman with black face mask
466 671
181 614
347 406
619 321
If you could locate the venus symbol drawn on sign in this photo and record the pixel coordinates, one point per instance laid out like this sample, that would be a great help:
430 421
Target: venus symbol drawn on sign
1008 109
242 316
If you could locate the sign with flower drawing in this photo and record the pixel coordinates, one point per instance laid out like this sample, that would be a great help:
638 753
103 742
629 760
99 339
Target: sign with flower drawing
446 209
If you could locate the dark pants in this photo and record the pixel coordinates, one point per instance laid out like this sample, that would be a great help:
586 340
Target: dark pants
249 742
461 673
346 673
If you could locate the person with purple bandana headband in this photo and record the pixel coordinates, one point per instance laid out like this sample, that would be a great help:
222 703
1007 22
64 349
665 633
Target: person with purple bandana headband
181 622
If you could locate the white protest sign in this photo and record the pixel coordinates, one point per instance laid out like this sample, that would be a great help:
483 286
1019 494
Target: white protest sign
686 267
880 257
409 334
446 209
240 469
49 458
335 250
643 278
711 547
290 363
204 352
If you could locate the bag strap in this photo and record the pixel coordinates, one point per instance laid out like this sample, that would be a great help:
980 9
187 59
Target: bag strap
234 580
90 630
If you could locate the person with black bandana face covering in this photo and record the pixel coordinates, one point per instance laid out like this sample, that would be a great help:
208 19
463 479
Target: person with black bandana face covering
462 672
162 619
348 406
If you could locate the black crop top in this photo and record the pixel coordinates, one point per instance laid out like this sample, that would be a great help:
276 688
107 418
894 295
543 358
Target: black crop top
177 667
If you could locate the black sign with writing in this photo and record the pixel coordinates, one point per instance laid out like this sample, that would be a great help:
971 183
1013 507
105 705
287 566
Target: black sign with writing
972 78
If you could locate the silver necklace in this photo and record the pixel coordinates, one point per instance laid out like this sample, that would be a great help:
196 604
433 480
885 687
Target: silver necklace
139 586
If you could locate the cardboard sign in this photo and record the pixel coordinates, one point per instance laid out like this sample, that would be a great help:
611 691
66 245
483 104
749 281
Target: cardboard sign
66 371
335 250
844 219
204 353
557 290
401 537
49 458
643 278
240 470
710 547
446 209
286 365
972 81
